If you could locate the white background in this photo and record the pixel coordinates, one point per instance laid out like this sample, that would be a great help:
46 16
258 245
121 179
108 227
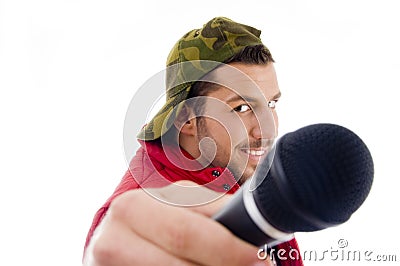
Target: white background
68 70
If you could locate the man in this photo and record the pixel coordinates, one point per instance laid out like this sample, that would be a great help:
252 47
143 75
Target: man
218 123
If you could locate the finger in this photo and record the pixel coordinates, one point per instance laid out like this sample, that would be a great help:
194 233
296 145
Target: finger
184 194
189 194
213 207
185 234
116 244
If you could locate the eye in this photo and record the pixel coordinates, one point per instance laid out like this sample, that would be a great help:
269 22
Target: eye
242 108
272 104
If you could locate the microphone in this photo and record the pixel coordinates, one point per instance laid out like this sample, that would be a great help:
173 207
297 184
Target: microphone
319 176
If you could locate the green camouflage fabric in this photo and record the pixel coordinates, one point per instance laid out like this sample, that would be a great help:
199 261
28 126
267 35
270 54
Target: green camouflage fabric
189 60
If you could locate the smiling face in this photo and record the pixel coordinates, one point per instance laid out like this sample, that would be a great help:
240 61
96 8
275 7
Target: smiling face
239 121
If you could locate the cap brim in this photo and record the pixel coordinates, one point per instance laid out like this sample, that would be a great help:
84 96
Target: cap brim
165 117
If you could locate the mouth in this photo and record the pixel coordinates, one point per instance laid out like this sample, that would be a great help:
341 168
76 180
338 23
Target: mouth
255 152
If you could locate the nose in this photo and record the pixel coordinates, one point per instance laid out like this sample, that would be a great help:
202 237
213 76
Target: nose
264 125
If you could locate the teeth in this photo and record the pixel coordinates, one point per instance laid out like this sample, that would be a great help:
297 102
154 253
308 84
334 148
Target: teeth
255 152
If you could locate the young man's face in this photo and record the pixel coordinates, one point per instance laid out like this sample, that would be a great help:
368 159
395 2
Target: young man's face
240 123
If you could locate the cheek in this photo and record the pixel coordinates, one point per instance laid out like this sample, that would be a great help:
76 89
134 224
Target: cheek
276 120
227 132
220 133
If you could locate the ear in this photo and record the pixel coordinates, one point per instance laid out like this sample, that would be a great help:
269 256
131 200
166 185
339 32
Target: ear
185 122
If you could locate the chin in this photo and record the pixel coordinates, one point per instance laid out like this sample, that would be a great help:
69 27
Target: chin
244 173
246 176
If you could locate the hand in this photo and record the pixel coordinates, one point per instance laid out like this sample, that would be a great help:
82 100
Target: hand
140 230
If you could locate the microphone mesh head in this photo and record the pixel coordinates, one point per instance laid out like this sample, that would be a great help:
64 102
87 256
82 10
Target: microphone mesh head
326 173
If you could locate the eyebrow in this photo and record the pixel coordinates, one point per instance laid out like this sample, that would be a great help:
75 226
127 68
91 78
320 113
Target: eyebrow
236 97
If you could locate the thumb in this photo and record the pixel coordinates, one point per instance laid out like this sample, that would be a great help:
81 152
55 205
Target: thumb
212 207
189 194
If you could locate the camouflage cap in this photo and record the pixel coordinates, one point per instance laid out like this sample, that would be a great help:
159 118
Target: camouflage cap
218 40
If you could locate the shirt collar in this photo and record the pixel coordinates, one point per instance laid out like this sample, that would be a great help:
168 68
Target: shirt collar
174 163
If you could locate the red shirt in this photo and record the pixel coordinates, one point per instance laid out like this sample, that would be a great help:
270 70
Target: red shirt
155 166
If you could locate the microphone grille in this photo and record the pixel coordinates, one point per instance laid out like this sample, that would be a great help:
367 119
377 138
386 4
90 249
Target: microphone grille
326 174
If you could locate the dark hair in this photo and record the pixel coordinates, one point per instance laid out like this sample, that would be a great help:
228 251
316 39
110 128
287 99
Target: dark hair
257 54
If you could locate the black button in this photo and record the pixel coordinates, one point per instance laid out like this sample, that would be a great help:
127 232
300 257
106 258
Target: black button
226 187
216 173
